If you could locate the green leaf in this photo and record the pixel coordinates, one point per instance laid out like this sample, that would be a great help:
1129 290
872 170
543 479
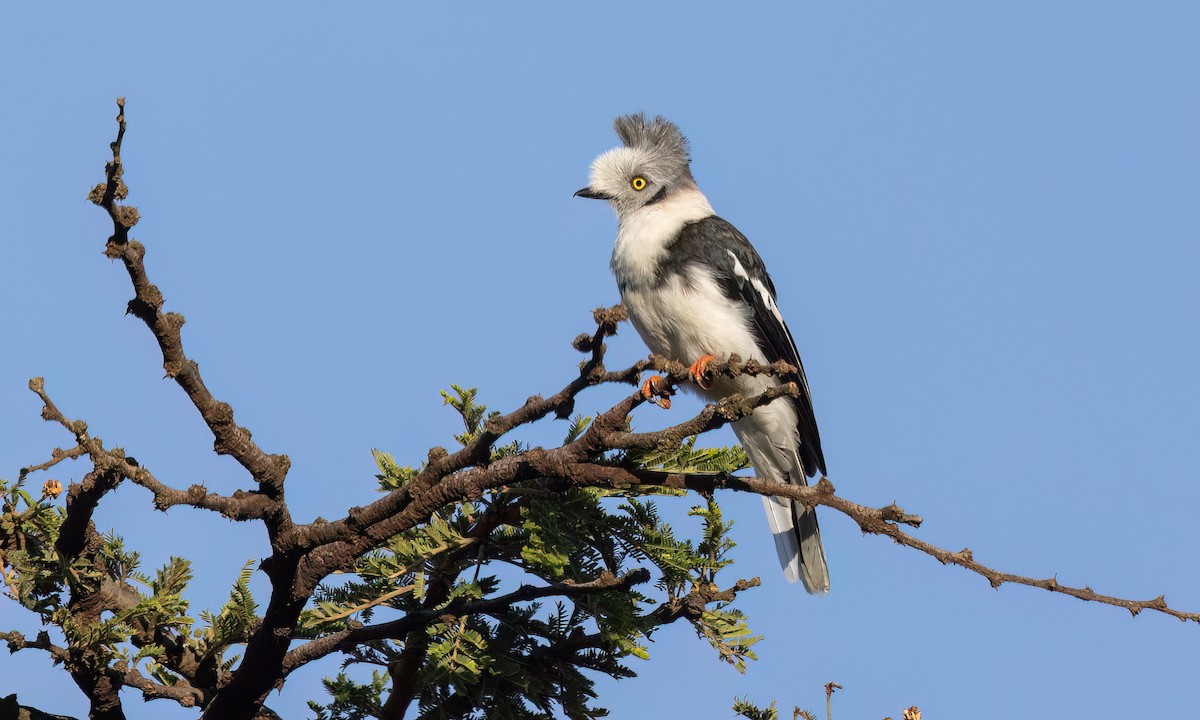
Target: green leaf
392 475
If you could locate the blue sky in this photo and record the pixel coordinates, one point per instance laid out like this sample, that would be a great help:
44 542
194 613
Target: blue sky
981 219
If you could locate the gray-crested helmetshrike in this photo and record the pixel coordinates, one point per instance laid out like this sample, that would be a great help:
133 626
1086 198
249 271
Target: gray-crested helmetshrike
696 290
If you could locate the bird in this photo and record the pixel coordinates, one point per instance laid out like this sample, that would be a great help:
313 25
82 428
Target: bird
696 290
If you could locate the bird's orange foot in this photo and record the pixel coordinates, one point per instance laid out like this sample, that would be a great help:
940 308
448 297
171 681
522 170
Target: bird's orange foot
698 369
657 391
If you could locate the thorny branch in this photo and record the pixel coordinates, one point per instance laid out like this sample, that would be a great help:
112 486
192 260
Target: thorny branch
265 651
229 437
56 456
303 555
16 641
880 521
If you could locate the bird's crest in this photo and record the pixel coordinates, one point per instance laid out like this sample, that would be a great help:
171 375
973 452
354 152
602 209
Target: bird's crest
658 135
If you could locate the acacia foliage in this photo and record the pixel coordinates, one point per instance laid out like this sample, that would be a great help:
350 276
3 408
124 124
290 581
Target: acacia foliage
497 579
535 658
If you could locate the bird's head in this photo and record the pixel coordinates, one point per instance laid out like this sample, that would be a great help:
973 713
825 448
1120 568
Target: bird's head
652 164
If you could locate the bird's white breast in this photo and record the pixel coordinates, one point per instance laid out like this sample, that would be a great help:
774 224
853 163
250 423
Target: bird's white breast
645 233
687 316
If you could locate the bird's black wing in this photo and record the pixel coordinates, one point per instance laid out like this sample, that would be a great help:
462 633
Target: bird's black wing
743 278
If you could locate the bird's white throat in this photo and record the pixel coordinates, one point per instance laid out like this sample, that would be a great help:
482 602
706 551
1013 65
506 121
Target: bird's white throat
644 234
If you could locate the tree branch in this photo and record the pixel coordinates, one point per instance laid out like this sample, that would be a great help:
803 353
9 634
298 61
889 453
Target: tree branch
57 456
229 438
877 521
266 648
397 628
725 411
343 540
117 466
181 691
16 641
441 464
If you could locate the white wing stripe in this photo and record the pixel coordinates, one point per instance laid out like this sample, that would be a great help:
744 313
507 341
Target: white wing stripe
767 298
738 271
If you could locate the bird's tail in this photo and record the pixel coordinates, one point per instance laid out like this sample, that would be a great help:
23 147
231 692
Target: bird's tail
798 542
797 538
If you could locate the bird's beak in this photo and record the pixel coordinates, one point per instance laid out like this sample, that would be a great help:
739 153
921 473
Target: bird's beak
587 192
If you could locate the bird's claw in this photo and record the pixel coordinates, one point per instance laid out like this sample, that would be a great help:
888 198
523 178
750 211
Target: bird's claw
699 368
657 391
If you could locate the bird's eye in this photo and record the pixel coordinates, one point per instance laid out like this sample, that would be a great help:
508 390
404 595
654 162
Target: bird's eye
638 183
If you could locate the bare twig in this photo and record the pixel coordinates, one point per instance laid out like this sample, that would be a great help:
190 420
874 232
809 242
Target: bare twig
266 648
117 466
229 437
829 688
965 559
57 456
877 521
16 641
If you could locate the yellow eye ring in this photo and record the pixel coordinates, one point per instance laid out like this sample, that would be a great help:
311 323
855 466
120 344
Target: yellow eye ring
638 183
